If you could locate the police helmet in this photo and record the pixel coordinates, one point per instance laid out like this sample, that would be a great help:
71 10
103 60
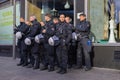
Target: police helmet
39 38
53 41
28 41
18 35
74 36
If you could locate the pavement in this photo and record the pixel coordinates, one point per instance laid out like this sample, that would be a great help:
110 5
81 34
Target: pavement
9 71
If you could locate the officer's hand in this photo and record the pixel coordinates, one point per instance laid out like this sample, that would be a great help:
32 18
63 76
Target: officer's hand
44 31
15 30
64 42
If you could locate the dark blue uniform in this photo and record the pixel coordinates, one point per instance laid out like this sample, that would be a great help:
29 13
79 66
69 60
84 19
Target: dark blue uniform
34 30
49 50
71 49
83 30
23 28
63 31
56 25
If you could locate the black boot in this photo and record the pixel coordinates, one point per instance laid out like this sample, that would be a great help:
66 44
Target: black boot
19 64
43 68
69 66
63 71
36 62
78 67
59 71
30 66
87 69
36 67
25 64
51 69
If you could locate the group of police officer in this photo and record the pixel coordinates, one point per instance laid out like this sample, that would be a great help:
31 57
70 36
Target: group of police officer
54 43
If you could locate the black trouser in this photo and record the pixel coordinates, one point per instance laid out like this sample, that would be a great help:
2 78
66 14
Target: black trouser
83 43
44 56
49 56
25 54
19 49
72 55
42 52
22 49
56 59
62 55
35 53
30 56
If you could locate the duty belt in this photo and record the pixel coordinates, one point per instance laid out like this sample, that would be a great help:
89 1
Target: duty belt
81 37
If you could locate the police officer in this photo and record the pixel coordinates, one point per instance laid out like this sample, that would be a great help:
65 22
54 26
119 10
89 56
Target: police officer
23 29
34 30
28 51
63 31
42 48
56 24
49 55
72 46
83 30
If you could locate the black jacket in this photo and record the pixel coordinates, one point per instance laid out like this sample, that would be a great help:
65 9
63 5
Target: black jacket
23 28
50 30
83 28
34 29
64 32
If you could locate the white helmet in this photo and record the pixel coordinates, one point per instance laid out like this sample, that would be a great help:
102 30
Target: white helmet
53 41
74 36
28 41
39 38
18 35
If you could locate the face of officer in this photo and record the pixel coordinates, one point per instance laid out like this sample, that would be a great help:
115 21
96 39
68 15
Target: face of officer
27 22
32 18
67 19
62 18
22 20
55 21
47 18
82 17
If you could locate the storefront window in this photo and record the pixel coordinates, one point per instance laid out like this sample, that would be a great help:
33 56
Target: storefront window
117 17
55 7
6 22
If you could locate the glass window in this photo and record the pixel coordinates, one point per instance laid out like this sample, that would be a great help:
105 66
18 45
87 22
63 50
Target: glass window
55 7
